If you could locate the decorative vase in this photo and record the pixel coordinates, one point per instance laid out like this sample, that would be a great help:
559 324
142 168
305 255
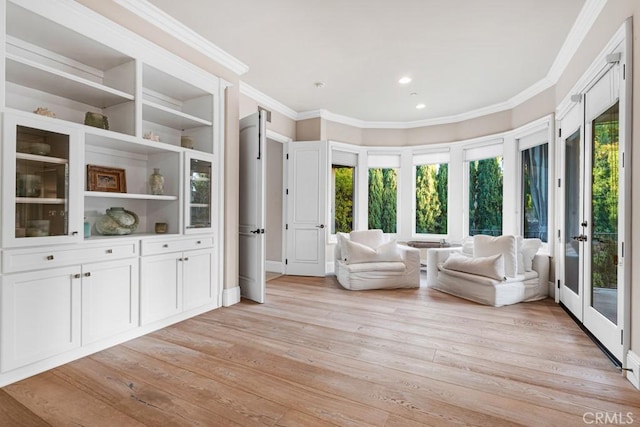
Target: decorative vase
96 120
156 182
117 221
186 141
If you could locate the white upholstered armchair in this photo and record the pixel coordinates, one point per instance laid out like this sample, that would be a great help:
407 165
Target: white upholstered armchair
370 260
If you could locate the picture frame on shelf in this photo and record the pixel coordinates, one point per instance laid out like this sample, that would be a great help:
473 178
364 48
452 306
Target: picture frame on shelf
111 180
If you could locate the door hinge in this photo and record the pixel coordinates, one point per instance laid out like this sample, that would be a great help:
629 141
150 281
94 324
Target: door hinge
286 261
558 234
624 71
622 250
287 156
559 132
621 336
623 159
287 192
558 283
286 226
559 182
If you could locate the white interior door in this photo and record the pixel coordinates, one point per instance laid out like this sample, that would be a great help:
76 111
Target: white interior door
306 214
252 207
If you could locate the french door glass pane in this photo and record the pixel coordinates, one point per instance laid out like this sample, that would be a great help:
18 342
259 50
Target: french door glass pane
604 215
573 212
431 198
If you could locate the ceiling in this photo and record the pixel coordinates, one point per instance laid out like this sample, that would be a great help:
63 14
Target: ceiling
463 55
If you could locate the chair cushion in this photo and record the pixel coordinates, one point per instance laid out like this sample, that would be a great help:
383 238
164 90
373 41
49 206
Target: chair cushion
356 253
527 249
490 266
371 238
506 245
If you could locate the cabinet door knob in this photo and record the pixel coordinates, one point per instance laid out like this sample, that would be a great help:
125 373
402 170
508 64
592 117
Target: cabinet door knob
186 259
88 274
74 233
166 245
109 251
76 276
180 259
199 242
50 257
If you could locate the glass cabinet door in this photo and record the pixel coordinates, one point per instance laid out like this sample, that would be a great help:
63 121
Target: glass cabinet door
199 195
37 173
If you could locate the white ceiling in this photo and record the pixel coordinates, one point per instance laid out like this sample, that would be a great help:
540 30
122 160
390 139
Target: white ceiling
463 55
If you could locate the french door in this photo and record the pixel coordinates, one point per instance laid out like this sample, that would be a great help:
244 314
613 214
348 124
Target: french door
592 283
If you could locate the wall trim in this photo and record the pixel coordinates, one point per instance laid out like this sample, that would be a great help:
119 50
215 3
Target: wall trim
230 296
633 363
275 266
278 137
267 101
160 19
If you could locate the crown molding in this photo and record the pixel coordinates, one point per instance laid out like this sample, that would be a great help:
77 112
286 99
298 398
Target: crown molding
586 18
266 101
157 17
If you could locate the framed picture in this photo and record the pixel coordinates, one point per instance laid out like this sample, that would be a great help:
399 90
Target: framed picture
111 180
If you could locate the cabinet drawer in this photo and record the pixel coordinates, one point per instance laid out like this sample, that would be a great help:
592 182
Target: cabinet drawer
37 259
156 247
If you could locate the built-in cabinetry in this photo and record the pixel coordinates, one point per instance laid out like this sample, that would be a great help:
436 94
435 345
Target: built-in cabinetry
82 94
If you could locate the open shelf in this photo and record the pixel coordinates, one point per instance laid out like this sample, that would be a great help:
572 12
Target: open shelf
166 116
114 141
31 74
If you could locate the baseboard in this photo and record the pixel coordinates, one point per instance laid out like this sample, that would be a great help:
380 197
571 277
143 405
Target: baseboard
275 266
633 363
230 296
330 268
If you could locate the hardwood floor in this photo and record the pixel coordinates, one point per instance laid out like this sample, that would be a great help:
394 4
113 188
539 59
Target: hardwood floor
318 355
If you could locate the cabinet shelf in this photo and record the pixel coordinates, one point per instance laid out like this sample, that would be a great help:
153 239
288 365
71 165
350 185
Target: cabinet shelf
131 196
166 116
31 74
42 159
40 201
130 144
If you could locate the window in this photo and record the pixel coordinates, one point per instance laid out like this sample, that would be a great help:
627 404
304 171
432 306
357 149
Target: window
343 197
432 185
535 191
485 194
383 199
343 185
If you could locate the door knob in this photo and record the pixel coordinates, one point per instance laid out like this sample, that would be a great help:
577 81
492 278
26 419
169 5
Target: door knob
320 226
580 238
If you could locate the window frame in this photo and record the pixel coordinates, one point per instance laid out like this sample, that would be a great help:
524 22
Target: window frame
425 158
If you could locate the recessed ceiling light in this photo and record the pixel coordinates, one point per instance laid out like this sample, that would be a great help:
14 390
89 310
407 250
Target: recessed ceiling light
404 80
319 85
413 93
421 106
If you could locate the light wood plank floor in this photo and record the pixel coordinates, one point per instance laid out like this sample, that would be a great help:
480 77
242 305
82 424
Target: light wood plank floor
318 355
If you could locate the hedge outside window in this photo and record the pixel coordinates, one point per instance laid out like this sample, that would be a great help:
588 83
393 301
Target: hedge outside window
432 182
343 198
535 191
383 199
485 196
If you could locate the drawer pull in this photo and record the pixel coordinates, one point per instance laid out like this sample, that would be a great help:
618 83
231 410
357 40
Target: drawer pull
50 257
88 274
199 242
76 276
166 245
109 251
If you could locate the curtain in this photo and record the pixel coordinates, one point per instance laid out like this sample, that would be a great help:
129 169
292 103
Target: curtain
536 161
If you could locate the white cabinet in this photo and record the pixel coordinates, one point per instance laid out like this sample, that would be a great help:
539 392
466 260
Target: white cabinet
173 282
110 299
42 172
40 315
199 193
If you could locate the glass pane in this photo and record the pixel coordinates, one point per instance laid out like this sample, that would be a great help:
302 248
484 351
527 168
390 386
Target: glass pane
342 209
535 183
431 198
383 199
42 183
485 197
200 184
604 217
573 212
